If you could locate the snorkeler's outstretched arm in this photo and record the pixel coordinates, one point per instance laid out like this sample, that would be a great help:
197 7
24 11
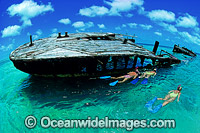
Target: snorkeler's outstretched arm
134 77
153 75
178 97
138 71
170 91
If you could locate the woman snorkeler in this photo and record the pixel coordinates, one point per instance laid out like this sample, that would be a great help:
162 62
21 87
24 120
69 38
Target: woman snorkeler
170 97
147 74
128 76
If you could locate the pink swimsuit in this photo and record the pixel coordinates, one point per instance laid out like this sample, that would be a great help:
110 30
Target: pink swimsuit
127 76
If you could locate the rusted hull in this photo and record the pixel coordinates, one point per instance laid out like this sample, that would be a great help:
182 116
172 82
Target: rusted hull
67 67
79 67
183 50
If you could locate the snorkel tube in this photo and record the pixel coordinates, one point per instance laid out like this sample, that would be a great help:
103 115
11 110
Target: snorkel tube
136 70
178 86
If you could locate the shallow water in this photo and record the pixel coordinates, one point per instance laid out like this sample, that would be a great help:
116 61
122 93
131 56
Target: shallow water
23 95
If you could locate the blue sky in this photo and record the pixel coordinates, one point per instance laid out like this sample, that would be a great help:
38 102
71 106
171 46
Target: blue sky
168 21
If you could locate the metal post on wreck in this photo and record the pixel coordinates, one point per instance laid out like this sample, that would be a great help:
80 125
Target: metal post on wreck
142 60
125 41
126 61
59 35
135 61
66 34
31 41
155 47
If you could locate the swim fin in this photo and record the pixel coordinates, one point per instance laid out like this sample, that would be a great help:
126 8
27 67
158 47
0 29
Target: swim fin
150 103
156 109
145 81
114 83
135 81
105 77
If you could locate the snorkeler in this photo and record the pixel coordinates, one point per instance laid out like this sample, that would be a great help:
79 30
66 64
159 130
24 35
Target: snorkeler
170 97
128 76
147 74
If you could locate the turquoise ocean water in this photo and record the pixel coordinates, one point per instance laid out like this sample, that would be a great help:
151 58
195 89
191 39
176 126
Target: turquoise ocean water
22 95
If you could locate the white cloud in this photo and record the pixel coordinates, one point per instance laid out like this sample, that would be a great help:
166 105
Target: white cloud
101 26
28 9
118 6
27 23
53 35
37 34
142 11
196 34
129 15
94 11
161 15
167 39
145 26
169 27
123 25
117 28
158 33
132 25
11 31
187 21
89 24
65 21
54 30
78 24
190 38
82 26
137 2
6 48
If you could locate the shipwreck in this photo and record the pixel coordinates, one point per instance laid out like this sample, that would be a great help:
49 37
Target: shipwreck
183 50
85 54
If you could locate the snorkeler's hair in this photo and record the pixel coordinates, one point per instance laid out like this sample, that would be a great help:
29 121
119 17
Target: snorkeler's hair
154 69
179 88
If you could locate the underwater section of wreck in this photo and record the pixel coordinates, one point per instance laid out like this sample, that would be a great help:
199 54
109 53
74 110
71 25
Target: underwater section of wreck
84 54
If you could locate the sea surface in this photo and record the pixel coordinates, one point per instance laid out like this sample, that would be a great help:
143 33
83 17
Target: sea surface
22 95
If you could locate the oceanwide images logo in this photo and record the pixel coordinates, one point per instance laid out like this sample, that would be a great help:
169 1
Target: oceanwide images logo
129 125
